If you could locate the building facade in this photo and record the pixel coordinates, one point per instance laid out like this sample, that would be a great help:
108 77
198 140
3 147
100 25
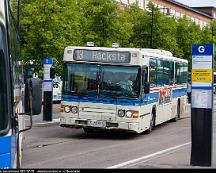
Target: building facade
199 16
211 11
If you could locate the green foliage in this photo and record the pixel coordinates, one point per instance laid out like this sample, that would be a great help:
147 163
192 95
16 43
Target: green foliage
47 27
54 25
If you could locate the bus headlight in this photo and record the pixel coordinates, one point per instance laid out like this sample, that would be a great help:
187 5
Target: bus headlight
129 114
74 110
67 109
121 113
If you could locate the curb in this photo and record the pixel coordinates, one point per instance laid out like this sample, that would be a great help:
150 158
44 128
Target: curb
47 123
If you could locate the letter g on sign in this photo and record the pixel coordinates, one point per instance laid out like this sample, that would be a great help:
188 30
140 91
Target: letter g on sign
201 49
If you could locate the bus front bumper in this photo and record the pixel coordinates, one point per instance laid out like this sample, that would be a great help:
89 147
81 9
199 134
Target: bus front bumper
82 123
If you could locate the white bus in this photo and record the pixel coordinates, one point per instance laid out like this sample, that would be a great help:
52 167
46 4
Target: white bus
122 88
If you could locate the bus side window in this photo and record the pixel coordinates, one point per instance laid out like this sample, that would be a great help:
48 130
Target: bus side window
177 73
152 72
168 70
159 72
181 73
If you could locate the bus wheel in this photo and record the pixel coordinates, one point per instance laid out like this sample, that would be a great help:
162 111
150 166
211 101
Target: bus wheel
88 130
152 122
18 158
177 113
178 110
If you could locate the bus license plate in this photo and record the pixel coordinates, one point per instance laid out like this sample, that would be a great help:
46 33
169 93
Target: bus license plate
95 123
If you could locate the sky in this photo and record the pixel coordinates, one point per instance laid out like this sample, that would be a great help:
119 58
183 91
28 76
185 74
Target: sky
198 3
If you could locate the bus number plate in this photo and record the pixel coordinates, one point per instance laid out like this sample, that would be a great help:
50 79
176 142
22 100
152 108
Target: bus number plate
95 123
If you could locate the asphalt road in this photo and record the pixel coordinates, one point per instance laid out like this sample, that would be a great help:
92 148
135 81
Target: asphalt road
57 147
168 146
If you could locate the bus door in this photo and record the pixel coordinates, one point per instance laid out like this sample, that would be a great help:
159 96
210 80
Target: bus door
166 79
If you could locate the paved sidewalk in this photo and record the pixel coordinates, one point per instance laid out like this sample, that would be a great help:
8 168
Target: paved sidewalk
37 120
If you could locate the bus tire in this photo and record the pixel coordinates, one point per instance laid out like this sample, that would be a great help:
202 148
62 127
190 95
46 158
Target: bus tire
88 130
18 157
18 164
177 112
152 124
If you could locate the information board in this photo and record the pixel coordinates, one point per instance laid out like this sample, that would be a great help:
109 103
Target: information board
47 83
202 75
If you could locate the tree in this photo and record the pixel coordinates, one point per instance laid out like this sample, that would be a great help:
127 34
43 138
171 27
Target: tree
54 25
188 33
138 21
60 23
103 22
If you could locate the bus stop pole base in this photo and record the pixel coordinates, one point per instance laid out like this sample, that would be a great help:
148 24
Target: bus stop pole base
201 128
47 106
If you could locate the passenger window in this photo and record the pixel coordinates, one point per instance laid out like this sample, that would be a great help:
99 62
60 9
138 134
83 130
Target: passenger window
159 72
168 72
153 72
181 76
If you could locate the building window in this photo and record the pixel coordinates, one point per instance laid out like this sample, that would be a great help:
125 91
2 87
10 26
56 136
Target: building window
141 4
146 3
125 2
172 12
132 2
197 21
178 15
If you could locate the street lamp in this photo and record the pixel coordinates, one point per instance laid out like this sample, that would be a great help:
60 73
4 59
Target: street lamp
152 21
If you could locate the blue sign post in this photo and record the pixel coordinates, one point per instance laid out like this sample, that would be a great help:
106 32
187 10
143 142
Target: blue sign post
48 90
202 104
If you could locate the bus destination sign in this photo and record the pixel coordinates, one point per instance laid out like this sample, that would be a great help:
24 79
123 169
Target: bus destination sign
101 56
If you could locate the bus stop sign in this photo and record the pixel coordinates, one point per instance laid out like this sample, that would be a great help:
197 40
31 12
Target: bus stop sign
202 104
202 75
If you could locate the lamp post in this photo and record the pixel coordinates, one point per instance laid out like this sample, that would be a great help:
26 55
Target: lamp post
152 22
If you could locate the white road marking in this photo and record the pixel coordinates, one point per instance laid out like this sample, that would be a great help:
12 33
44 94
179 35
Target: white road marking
149 156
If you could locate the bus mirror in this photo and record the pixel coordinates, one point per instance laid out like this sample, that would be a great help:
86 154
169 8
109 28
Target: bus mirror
146 87
33 95
52 72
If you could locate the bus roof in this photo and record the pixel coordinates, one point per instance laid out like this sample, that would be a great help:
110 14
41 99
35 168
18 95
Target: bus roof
144 51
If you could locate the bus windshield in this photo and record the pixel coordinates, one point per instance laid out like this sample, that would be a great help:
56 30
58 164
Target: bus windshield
102 80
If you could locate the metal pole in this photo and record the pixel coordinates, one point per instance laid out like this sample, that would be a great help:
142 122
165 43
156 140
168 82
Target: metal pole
18 18
48 90
47 106
152 27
